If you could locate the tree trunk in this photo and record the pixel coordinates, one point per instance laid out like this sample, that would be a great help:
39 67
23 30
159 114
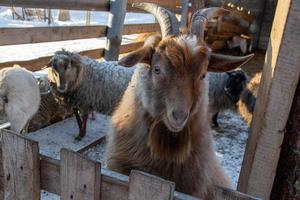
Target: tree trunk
287 181
64 15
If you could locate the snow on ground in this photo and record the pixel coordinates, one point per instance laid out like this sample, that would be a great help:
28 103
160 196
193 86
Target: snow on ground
230 143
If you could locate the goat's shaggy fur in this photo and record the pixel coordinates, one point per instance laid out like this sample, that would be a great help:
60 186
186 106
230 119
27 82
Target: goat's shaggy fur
140 139
224 91
248 98
19 96
161 124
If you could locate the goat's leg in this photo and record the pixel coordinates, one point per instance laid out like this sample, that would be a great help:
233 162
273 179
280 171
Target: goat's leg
85 117
215 120
79 122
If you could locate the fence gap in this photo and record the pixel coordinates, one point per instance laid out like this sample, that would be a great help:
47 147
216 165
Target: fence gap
115 28
21 167
80 178
147 187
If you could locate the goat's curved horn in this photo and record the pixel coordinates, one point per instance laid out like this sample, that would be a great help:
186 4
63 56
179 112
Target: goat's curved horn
167 20
200 18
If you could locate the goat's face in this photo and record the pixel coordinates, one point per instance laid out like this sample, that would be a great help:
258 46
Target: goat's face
235 84
64 70
175 79
171 81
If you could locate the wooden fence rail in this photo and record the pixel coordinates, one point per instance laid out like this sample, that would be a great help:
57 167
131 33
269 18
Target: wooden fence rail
11 36
97 5
24 173
113 31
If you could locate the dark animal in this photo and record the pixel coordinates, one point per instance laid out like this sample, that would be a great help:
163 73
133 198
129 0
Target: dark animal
224 91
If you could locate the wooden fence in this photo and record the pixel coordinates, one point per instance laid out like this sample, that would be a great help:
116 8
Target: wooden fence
24 173
113 31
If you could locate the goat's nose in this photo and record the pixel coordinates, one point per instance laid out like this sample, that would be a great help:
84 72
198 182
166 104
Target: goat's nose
179 116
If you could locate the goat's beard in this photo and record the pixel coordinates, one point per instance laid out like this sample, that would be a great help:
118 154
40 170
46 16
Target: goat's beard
167 145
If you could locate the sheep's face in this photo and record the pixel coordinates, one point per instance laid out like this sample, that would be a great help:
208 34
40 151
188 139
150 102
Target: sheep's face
235 84
174 79
63 72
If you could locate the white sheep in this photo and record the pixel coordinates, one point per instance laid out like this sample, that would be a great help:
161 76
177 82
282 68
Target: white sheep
19 96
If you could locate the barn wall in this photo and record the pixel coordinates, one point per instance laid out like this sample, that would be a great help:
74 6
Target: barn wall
267 24
264 11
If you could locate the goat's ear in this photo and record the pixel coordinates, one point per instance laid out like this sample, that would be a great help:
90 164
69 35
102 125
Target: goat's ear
75 59
142 55
223 63
49 64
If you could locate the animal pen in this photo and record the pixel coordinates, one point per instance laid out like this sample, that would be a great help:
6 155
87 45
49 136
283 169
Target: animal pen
274 132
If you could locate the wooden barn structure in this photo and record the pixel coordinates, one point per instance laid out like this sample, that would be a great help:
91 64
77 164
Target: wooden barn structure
271 163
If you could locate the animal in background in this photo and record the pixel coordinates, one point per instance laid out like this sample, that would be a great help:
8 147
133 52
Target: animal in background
19 97
224 92
86 85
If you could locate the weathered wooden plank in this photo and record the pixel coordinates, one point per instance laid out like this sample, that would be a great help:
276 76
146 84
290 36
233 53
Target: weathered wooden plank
113 185
279 80
115 27
21 167
1 176
140 28
38 63
146 186
286 183
50 174
228 194
80 178
130 47
10 36
99 5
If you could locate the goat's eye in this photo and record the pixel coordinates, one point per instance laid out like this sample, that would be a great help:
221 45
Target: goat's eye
156 69
202 77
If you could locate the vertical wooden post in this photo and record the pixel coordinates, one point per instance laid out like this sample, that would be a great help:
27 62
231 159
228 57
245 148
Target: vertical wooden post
49 16
1 175
21 167
80 178
147 187
279 80
88 17
115 27
184 14
286 184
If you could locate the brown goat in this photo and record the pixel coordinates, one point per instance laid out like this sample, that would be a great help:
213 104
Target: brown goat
161 124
